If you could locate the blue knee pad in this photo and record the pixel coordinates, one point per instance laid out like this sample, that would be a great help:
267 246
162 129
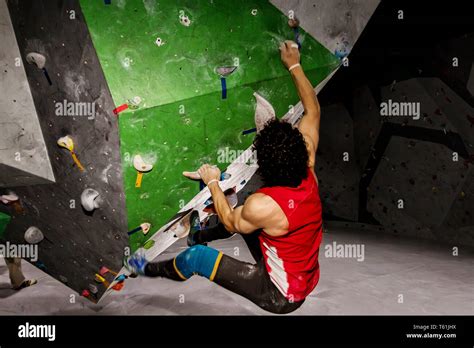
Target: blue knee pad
198 259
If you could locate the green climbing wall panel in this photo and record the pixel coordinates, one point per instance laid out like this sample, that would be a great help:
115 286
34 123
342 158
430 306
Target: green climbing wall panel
182 121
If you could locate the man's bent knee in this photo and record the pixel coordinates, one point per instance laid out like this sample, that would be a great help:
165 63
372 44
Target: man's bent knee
198 259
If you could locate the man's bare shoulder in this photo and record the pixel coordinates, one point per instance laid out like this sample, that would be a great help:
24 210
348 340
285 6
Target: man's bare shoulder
259 205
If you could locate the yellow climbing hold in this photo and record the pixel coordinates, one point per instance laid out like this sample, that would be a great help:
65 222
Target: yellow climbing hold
67 143
141 168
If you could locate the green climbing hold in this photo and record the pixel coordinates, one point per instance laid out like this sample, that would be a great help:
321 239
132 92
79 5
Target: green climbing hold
149 243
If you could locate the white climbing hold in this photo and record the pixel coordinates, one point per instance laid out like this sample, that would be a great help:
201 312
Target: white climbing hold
93 289
159 42
140 165
225 70
134 103
66 142
90 199
33 235
264 112
185 21
145 227
9 198
254 12
36 58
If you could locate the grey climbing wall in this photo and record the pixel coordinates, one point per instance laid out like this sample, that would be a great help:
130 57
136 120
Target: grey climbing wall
458 224
452 61
414 186
336 167
470 82
77 242
367 124
24 159
331 22
440 107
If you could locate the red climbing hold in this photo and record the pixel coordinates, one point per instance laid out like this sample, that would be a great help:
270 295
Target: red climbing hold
120 108
85 293
118 286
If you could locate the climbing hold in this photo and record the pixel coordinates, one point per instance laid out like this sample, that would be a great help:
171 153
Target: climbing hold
9 198
264 112
93 289
119 286
90 199
223 72
141 168
39 60
104 270
120 108
254 12
145 227
121 278
63 279
99 279
343 47
148 244
85 293
13 200
40 265
134 103
159 42
185 21
68 144
294 24
33 235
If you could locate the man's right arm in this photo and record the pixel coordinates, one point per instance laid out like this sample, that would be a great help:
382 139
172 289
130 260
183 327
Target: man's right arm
309 124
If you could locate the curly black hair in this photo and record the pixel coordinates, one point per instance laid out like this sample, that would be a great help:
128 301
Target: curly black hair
282 156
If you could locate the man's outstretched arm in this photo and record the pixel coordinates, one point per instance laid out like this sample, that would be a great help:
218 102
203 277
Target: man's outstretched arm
309 124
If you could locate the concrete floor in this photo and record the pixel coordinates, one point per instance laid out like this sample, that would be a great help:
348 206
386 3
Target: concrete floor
431 280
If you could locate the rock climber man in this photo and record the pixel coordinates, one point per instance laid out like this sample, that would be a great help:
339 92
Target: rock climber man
281 222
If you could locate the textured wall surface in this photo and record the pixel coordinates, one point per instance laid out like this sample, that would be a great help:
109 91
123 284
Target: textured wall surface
331 22
336 166
425 178
367 124
24 159
470 82
77 243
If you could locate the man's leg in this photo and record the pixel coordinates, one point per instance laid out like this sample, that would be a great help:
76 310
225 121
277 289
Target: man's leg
248 280
217 232
17 278
206 235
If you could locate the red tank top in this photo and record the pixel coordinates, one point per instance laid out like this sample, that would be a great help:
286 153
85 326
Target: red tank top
292 259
